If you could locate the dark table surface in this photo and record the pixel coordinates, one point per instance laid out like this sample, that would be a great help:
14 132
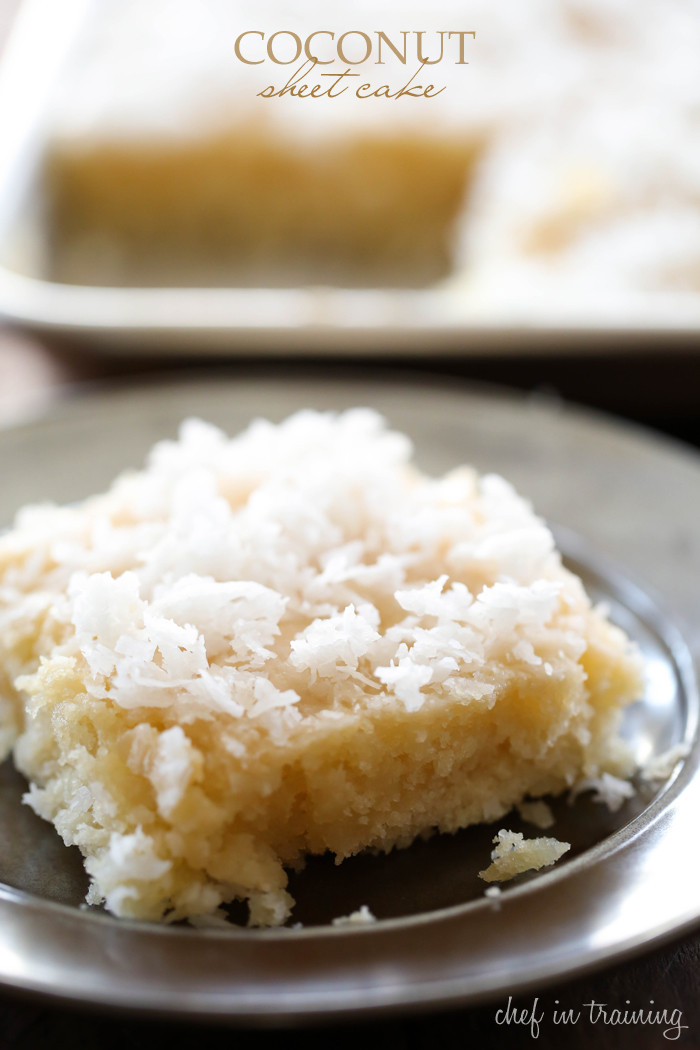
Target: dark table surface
661 391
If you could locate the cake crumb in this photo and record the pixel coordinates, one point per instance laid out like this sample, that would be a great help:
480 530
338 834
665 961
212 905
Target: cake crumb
514 854
362 917
536 812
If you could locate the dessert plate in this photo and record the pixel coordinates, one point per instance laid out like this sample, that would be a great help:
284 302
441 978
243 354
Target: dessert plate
624 504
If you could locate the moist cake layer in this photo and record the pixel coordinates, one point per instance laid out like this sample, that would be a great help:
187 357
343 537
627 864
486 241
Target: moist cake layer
251 209
289 643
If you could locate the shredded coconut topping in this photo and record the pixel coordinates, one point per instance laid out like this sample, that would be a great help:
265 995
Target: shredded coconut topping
312 542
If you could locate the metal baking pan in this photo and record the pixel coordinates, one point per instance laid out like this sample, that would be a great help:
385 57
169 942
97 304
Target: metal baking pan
258 320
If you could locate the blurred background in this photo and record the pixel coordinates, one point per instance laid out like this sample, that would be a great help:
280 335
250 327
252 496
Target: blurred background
536 225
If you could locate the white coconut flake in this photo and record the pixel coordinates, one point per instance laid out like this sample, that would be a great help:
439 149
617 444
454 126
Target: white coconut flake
524 650
660 767
238 618
132 857
268 698
361 917
337 643
406 679
173 767
607 789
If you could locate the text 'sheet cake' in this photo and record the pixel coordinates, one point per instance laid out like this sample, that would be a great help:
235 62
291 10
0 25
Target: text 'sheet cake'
288 643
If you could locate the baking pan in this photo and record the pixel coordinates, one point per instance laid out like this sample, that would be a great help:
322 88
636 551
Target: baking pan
630 880
445 319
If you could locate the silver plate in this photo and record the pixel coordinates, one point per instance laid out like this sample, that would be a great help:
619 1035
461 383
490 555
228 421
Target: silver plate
631 500
441 319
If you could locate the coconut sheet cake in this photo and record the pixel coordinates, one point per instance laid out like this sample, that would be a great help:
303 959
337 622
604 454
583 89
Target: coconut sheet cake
287 643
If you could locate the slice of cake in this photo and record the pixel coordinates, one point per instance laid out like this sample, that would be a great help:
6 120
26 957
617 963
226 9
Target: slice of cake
168 162
288 643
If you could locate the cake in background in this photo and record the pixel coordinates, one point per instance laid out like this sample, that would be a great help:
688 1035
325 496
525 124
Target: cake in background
555 159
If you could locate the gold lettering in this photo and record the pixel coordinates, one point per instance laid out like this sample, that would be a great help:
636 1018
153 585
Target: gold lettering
315 58
237 48
292 87
296 88
341 50
461 35
295 38
384 39
413 92
419 49
409 89
341 76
